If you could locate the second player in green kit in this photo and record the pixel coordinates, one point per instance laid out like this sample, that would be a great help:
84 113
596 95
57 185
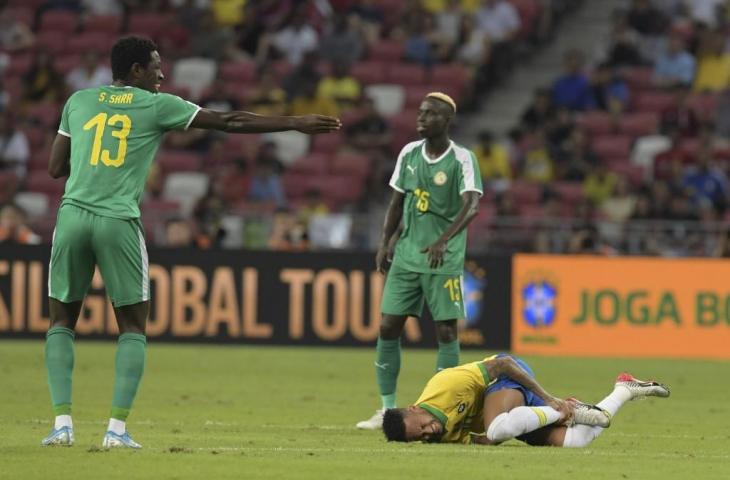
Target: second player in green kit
105 144
437 186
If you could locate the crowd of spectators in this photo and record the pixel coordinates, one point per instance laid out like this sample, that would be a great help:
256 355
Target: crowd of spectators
271 57
627 142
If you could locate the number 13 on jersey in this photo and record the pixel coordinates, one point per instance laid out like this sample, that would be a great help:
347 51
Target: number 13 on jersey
100 121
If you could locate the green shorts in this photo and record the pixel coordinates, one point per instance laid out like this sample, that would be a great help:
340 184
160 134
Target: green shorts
405 292
83 240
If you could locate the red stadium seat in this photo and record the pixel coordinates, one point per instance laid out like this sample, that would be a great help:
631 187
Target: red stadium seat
653 101
178 161
415 95
596 123
98 42
107 24
39 159
352 164
312 164
612 147
66 63
53 42
342 188
59 21
635 174
160 207
523 192
704 105
639 78
529 11
329 143
371 72
45 113
453 74
297 184
21 14
571 192
37 136
8 185
639 124
40 181
19 64
238 72
387 51
149 24
406 74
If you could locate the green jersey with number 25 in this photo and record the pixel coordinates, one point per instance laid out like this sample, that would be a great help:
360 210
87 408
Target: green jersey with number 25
115 133
433 189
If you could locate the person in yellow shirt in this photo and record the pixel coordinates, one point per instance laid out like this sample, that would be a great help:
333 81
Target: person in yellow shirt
497 399
538 165
599 185
713 67
493 158
310 101
340 86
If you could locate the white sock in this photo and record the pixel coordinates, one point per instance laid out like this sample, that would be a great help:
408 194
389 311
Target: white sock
519 421
63 421
117 426
582 435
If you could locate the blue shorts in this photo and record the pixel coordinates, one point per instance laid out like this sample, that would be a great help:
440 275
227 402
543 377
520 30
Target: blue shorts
531 400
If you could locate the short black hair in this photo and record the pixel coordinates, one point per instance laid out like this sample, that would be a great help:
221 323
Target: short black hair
394 427
128 51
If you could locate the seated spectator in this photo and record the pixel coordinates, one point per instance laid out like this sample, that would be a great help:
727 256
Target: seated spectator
103 7
704 11
505 205
155 183
211 40
342 43
4 97
236 181
681 116
538 166
494 163
572 90
575 158
474 47
722 114
620 205
368 18
561 127
179 234
340 86
208 213
14 35
293 41
14 148
305 73
313 205
644 18
499 19
599 184
42 82
609 90
13 229
289 233
449 21
267 98
309 101
370 131
266 186
675 67
420 45
707 184
217 98
713 68
623 46
540 112
90 73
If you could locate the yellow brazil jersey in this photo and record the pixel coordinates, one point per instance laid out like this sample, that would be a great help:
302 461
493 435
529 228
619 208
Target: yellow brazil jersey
455 396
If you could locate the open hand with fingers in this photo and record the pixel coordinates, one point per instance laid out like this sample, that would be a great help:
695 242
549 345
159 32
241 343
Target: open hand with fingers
436 253
313 124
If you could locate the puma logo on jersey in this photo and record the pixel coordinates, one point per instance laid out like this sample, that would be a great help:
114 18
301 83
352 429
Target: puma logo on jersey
412 169
382 366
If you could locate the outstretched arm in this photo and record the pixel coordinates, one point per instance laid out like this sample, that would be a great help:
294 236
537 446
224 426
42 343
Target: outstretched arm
508 367
59 164
391 227
469 210
247 122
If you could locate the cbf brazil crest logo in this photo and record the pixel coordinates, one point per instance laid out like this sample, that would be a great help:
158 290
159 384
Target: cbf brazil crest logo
539 298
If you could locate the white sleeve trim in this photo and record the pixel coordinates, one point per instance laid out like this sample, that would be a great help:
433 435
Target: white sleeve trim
396 171
464 157
192 117
65 134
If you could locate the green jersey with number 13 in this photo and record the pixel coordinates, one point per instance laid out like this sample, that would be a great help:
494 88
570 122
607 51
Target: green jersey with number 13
433 189
115 133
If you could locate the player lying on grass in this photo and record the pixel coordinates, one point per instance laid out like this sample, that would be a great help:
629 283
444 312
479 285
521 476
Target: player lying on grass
497 399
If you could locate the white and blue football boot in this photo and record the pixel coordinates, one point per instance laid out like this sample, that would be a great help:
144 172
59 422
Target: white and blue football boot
113 440
63 436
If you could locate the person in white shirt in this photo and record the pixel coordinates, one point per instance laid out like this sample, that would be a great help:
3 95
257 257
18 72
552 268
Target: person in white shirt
89 73
499 19
14 149
295 40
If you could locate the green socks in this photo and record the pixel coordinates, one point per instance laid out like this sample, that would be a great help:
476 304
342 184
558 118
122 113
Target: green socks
387 367
448 355
129 368
60 366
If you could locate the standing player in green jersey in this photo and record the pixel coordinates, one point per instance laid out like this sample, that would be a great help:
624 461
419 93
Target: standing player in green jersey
436 186
105 145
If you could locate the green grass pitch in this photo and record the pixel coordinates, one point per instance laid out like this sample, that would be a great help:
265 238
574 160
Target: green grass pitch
215 412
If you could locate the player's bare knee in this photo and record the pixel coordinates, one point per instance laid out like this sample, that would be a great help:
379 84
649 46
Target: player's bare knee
446 332
391 327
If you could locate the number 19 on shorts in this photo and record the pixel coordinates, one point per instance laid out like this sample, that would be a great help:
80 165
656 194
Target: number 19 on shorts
453 285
